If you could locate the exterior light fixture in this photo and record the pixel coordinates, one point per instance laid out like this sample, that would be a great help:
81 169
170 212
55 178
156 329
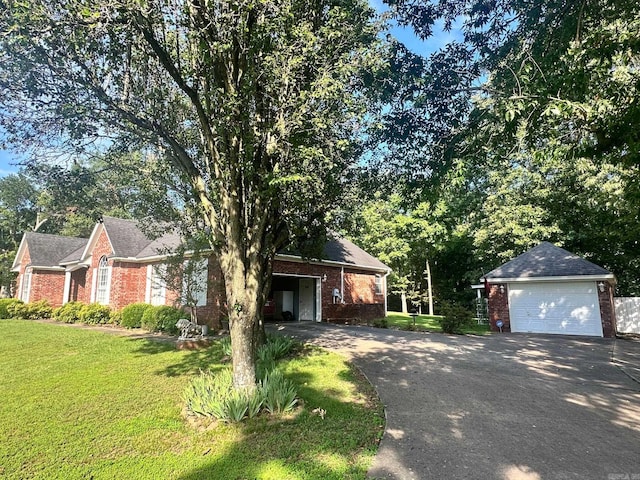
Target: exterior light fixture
324 277
501 288
601 286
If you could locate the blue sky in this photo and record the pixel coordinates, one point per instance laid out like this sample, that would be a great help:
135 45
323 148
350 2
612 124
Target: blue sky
405 35
6 159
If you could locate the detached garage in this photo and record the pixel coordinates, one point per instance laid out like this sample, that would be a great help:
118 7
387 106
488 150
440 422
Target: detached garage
551 290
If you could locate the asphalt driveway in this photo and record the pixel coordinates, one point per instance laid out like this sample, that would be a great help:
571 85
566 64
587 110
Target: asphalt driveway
497 407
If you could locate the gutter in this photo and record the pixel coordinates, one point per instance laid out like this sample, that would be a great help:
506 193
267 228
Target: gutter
295 258
584 278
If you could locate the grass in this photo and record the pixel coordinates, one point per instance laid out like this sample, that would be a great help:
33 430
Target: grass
85 404
428 323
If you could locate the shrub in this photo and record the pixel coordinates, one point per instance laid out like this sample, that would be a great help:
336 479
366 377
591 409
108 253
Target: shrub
5 303
115 317
206 394
161 319
30 311
381 323
149 320
94 314
68 313
132 315
455 318
17 309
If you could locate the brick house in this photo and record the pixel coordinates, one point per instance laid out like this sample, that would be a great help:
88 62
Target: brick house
118 265
550 290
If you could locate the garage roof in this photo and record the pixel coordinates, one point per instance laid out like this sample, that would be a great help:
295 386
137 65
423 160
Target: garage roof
547 260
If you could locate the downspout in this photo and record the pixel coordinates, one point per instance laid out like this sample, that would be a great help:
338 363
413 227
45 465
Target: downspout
341 284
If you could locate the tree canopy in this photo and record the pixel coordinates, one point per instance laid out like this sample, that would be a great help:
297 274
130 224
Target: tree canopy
256 117
251 106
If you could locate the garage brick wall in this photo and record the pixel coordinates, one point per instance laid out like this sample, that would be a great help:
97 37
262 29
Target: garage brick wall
499 307
607 311
361 302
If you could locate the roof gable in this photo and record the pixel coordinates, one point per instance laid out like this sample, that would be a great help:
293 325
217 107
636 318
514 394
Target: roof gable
125 236
48 250
547 260
127 240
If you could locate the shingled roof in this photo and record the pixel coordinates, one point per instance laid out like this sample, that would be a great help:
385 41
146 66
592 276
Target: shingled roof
125 236
547 260
343 251
46 250
129 241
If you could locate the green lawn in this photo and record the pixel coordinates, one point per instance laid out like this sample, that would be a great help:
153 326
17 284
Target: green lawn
428 323
85 404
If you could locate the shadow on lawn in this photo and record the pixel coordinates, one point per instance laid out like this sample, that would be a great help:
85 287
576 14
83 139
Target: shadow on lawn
189 362
300 445
303 445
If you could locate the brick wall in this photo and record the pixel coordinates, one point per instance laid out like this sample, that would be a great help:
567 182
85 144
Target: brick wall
352 313
100 249
47 285
499 307
128 284
79 290
607 311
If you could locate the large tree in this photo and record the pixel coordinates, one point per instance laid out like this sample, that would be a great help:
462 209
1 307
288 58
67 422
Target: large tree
252 105
547 147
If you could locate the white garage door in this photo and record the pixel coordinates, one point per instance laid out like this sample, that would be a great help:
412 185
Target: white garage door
569 308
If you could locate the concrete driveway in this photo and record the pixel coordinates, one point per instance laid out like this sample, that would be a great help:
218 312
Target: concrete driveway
497 407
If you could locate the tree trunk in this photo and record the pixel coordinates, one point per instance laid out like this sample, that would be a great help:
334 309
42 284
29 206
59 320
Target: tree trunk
403 300
245 281
429 289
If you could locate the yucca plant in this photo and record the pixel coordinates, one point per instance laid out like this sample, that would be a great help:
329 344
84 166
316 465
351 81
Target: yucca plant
225 346
279 393
206 394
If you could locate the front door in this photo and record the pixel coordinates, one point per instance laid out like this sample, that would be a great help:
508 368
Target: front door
307 299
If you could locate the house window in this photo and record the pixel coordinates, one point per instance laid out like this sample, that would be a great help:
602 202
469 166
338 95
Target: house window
26 285
102 282
194 282
158 287
378 287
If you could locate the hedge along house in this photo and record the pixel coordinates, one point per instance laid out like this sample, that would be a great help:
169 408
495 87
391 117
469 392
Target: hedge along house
118 265
551 290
